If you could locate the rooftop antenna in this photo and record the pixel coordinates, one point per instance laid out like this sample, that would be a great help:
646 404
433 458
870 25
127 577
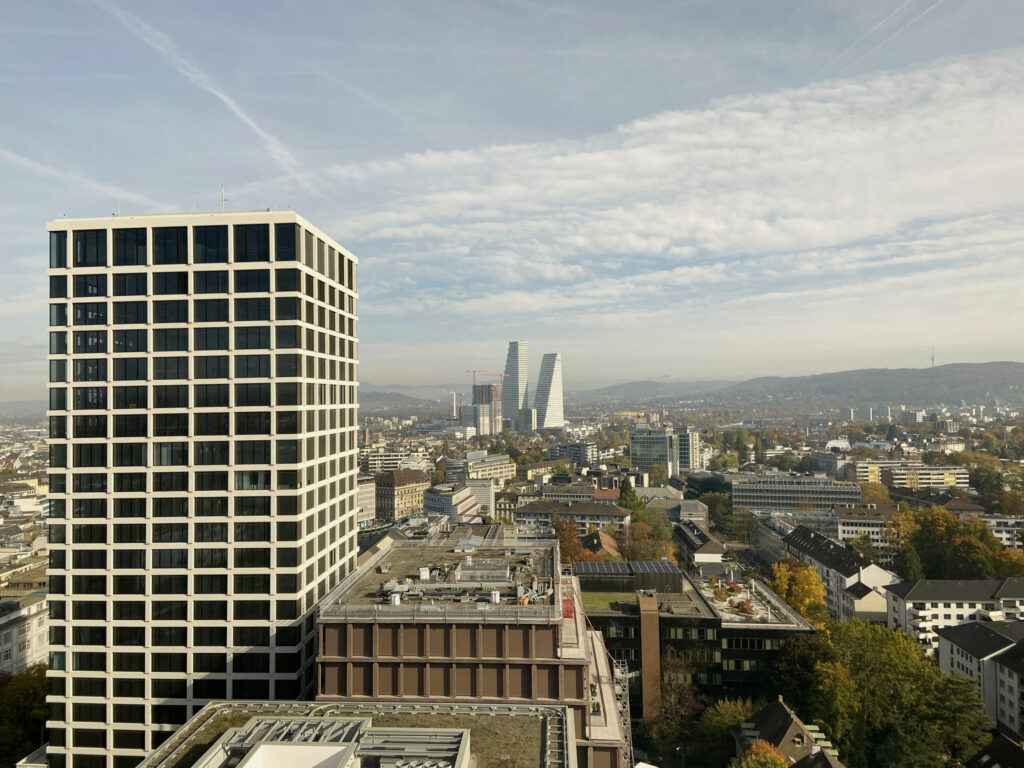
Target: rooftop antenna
223 198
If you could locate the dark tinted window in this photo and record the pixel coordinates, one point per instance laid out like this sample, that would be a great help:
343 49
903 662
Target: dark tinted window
252 242
90 248
129 247
210 245
169 245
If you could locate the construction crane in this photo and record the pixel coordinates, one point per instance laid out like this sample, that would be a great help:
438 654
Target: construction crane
485 373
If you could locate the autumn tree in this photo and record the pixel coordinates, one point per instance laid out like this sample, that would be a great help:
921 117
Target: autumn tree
712 742
657 474
864 546
568 539
874 493
801 587
761 754
628 498
680 701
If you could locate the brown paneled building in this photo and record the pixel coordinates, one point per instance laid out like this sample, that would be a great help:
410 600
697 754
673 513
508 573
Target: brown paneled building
450 620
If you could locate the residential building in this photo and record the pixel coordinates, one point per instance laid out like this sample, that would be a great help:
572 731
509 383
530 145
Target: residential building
583 514
1006 528
202 420
801 745
514 386
921 608
703 553
548 401
400 493
23 632
855 521
1010 683
1001 751
919 476
582 453
972 649
840 568
691 450
782 493
463 618
871 470
366 500
865 413
453 500
648 447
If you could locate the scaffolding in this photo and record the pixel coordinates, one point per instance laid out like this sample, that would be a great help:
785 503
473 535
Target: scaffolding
620 679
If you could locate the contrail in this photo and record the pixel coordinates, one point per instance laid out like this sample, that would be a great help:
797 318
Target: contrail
59 174
914 20
867 34
152 37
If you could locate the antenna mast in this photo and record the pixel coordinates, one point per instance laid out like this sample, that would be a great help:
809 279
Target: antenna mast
223 198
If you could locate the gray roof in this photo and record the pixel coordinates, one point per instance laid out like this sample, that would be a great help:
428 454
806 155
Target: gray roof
1013 658
859 589
1001 751
572 509
829 553
974 590
981 639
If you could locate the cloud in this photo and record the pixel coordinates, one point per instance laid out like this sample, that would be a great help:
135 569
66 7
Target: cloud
157 40
115 193
840 193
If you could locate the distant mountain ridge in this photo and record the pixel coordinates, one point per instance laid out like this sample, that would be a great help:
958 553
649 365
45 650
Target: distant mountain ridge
972 382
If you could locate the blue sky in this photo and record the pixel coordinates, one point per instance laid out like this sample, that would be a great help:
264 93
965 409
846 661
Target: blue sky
679 189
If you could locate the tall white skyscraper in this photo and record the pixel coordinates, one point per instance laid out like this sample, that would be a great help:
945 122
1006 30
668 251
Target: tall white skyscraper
549 393
514 386
202 435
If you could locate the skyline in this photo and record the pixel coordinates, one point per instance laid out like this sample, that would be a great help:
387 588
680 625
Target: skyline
774 193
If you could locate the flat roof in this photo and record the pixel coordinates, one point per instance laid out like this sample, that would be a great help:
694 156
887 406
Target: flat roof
461 574
501 735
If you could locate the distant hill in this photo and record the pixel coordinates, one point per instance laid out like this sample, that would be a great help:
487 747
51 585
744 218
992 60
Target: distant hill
21 409
972 382
646 390
438 392
387 403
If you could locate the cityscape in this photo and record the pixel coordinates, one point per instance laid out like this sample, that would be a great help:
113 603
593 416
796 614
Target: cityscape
512 385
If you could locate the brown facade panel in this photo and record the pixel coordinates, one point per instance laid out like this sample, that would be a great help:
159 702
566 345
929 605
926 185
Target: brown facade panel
439 680
545 639
330 679
493 647
437 639
519 682
573 678
361 639
413 641
330 642
465 679
387 680
412 680
518 642
465 641
603 757
547 683
492 681
387 639
360 680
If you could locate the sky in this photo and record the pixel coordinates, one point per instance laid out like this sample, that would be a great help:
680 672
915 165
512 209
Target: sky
677 190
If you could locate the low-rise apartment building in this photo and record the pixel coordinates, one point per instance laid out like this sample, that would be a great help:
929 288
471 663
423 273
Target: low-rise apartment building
23 632
480 465
453 500
854 521
840 569
921 608
366 500
581 452
583 514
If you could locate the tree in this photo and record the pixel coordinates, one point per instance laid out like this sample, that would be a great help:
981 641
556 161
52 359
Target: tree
801 587
23 713
760 755
874 493
628 498
864 547
908 564
679 699
658 475
568 539
713 743
792 673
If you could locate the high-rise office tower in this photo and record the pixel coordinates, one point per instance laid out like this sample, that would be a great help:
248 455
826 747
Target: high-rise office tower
487 409
549 393
514 386
691 450
202 423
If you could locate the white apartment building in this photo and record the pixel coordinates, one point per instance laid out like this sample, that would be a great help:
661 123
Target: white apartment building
366 500
582 452
854 521
202 423
782 493
480 465
691 450
921 608
23 631
976 650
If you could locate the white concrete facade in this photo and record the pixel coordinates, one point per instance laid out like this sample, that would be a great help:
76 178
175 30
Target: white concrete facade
549 393
203 467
